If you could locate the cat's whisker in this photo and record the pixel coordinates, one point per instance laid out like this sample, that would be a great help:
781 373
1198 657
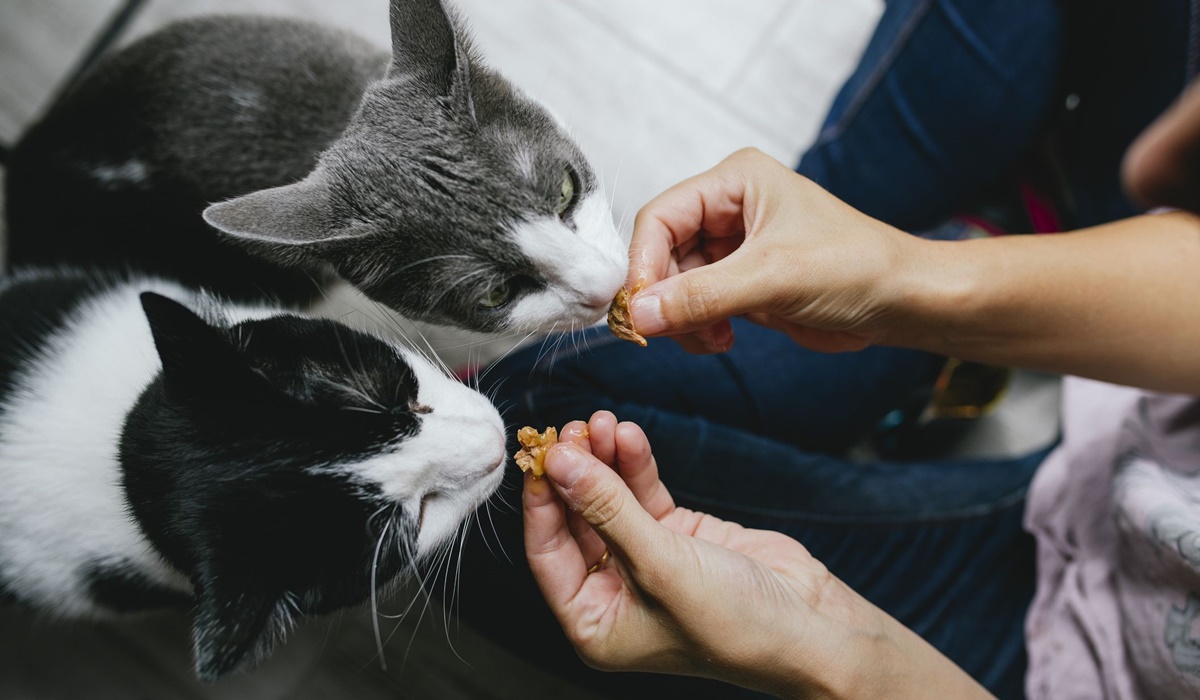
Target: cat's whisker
466 278
456 592
353 371
375 595
433 356
492 365
441 558
496 533
616 180
434 258
384 318
547 343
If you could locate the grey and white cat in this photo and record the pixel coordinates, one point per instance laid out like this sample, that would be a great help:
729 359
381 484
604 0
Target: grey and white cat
159 448
422 177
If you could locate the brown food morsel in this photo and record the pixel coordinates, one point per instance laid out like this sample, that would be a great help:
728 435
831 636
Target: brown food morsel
619 320
532 455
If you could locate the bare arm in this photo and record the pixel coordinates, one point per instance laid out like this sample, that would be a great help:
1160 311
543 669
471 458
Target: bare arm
752 238
1120 303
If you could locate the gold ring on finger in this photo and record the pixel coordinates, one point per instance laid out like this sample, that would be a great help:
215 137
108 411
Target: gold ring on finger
600 564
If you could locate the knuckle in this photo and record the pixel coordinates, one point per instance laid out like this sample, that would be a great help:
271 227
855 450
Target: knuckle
701 300
748 153
603 508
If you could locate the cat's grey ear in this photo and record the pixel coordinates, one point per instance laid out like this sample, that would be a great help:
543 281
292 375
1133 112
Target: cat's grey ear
236 626
196 358
428 45
291 215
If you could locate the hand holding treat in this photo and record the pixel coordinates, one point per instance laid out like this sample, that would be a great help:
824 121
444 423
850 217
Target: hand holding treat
689 593
753 238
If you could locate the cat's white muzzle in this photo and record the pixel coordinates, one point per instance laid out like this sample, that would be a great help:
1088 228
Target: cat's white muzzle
585 268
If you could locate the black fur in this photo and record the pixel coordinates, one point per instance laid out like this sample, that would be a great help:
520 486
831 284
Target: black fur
31 310
222 457
121 588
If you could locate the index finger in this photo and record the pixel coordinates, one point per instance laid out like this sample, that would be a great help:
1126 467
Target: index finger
706 205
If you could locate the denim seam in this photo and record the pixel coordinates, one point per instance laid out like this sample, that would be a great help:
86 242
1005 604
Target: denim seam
975 512
742 386
975 45
877 74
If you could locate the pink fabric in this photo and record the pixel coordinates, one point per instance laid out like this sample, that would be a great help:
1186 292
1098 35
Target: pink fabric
1116 514
1042 213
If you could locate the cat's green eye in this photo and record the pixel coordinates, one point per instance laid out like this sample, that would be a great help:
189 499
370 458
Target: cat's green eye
566 195
497 297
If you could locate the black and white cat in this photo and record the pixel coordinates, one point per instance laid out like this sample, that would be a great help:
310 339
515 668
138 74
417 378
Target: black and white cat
422 177
161 448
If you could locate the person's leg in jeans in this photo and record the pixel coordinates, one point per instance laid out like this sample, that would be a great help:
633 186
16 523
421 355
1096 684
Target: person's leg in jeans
948 97
937 544
765 385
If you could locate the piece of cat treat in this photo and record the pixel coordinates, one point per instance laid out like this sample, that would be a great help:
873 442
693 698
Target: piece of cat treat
620 322
534 445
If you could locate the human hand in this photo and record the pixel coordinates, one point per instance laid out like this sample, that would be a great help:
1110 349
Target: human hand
1162 167
688 593
751 237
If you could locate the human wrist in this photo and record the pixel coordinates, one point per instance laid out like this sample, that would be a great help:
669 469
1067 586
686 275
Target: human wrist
931 295
838 650
881 658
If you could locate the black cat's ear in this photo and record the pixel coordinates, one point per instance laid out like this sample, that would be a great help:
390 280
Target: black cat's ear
195 356
280 218
427 44
236 625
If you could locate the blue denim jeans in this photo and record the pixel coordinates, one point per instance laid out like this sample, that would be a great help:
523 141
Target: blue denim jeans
947 98
938 544
952 96
949 95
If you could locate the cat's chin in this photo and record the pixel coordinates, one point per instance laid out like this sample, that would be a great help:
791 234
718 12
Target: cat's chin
442 514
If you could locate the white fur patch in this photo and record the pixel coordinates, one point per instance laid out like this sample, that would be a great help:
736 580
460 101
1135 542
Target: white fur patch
58 457
453 463
526 163
585 268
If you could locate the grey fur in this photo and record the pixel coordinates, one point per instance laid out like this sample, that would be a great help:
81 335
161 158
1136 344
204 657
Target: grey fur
401 174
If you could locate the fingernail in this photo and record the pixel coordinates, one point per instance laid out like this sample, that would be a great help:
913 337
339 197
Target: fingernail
537 487
575 430
722 336
646 310
565 463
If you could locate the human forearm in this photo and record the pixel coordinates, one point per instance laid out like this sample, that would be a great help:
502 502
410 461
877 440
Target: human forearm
1116 303
874 656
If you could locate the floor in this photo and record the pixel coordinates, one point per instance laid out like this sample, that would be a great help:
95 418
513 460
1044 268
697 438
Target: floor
655 92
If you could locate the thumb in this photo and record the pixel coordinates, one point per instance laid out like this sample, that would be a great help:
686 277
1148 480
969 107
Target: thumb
604 501
697 299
